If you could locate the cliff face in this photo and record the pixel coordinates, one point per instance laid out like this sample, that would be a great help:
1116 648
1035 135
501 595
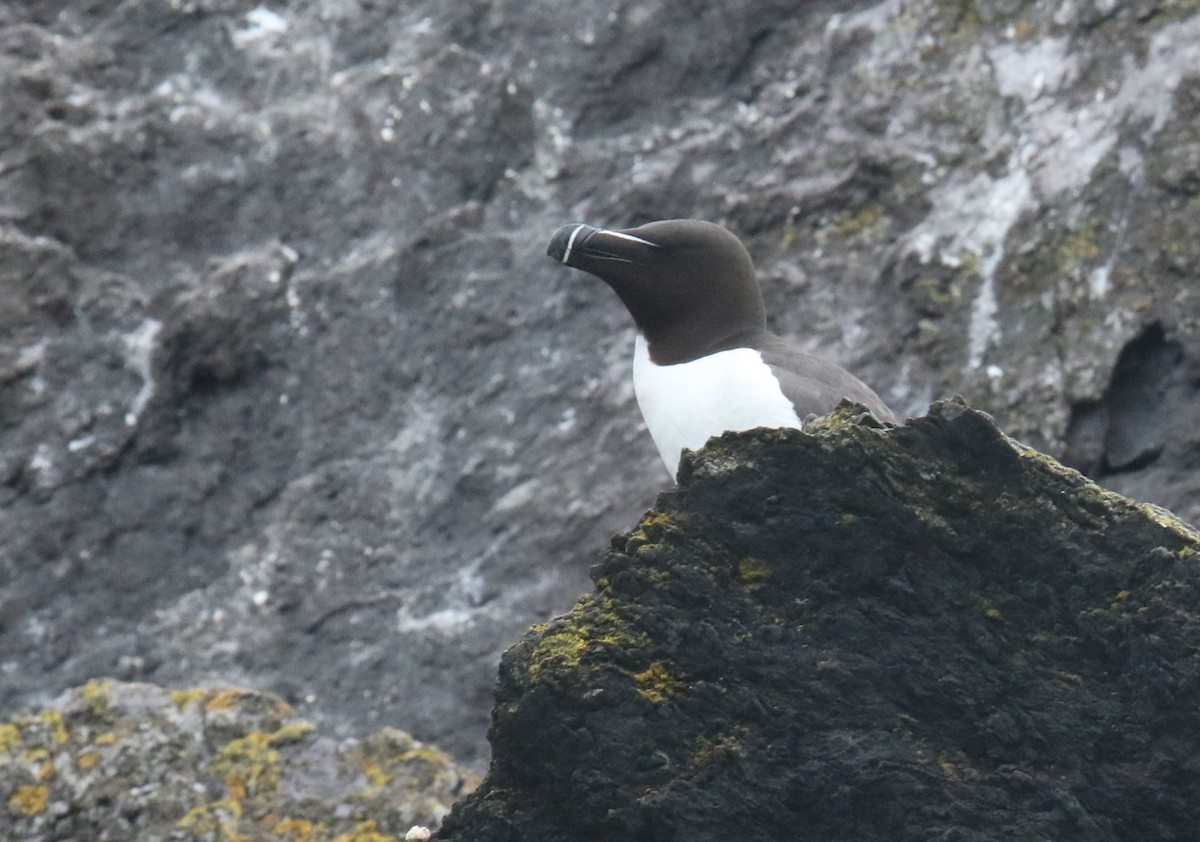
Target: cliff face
291 397
854 633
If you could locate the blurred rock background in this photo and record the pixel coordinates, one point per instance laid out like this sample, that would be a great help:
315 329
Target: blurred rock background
291 397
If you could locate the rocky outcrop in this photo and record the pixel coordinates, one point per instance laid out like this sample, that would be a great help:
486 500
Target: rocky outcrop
291 397
860 633
111 760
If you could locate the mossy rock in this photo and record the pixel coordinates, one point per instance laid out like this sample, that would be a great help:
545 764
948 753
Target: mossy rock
863 632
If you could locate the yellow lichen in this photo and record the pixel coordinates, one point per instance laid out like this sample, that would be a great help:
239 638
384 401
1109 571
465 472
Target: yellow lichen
655 683
223 699
850 224
58 727
563 646
97 694
88 760
706 749
561 649
1168 520
30 800
217 819
182 698
656 518
249 765
292 732
294 830
753 571
651 529
365 832
46 769
10 736
108 738
377 778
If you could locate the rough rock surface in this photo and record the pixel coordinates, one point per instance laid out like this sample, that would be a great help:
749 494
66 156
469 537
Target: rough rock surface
854 633
290 396
117 761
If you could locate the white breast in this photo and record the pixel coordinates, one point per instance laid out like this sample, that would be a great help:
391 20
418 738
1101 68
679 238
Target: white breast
685 405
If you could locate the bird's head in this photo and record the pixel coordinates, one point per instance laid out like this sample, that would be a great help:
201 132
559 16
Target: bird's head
687 283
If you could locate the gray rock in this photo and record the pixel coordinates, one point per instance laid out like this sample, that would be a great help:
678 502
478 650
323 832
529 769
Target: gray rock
111 760
270 411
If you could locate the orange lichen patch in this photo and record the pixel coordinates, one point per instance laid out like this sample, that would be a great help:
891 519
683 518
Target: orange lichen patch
88 760
30 800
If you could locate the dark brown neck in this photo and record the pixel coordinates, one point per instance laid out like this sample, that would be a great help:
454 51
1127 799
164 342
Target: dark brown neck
672 348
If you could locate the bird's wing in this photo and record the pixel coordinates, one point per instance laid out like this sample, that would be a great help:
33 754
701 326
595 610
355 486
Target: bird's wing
815 386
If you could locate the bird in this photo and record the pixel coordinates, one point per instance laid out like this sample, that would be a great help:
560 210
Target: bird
704 362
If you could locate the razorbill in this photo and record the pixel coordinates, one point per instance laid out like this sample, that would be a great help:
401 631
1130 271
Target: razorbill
704 362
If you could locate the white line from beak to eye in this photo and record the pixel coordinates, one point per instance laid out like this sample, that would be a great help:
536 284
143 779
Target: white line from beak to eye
571 242
630 237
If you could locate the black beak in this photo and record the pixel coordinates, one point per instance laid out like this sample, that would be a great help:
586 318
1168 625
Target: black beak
573 243
567 239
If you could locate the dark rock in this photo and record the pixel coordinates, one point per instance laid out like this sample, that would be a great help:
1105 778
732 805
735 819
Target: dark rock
1129 427
922 632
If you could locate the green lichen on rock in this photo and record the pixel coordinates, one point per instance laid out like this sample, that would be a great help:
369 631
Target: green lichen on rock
1063 255
597 631
655 683
133 761
857 222
958 638
753 571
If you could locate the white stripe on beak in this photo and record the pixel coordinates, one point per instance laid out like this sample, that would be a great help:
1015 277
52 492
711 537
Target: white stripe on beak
571 242
629 237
